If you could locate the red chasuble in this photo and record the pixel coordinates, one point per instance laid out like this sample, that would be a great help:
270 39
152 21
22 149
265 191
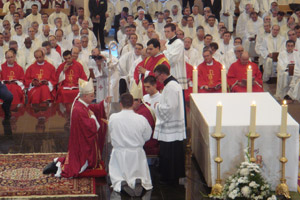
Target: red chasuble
151 146
189 76
238 72
40 93
209 76
83 144
13 73
149 64
68 88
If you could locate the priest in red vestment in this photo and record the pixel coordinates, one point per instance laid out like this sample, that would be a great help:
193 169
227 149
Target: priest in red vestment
151 147
147 66
40 79
84 153
67 75
209 74
12 75
237 75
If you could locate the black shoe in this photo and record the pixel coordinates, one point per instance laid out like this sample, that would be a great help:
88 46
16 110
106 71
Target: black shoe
138 190
50 168
104 48
125 187
269 81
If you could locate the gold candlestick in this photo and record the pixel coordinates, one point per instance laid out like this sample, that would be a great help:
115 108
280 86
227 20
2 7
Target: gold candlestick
252 137
217 189
282 188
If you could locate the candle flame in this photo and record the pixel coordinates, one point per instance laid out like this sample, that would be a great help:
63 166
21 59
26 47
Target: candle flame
219 103
284 102
249 67
223 67
253 103
195 67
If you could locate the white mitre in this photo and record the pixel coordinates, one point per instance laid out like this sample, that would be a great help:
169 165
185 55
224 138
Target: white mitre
85 87
136 90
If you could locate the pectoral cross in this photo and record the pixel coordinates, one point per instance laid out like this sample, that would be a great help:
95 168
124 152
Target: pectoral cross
70 76
11 75
40 75
210 77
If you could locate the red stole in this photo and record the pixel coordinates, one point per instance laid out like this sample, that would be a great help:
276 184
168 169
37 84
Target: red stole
58 49
150 64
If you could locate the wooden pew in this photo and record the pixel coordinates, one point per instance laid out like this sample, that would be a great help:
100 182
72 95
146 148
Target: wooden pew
285 8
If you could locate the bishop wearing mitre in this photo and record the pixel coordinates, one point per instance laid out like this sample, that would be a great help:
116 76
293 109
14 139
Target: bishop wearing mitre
85 145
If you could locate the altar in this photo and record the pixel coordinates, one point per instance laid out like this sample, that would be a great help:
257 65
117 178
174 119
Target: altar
235 125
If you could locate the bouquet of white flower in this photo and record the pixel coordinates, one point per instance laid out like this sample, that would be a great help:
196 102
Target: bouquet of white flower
247 183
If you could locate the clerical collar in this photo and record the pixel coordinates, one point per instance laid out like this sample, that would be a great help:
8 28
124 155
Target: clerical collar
157 54
172 40
81 101
40 63
170 78
8 65
210 64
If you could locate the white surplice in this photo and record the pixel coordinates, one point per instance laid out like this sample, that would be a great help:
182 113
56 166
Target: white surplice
175 55
129 132
269 45
228 6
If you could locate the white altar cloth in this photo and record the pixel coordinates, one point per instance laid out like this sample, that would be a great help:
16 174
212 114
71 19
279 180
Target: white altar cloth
235 124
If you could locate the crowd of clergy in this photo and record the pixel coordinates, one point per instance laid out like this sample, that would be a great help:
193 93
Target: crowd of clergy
44 56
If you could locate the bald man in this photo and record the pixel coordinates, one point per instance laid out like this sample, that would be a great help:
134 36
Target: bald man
237 75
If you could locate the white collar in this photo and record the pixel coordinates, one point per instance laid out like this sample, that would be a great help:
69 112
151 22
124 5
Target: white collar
210 64
8 65
40 63
81 101
154 95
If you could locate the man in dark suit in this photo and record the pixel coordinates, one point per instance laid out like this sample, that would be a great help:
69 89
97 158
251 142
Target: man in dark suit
124 15
98 9
215 7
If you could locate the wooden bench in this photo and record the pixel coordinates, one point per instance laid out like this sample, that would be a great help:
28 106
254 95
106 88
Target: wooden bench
285 8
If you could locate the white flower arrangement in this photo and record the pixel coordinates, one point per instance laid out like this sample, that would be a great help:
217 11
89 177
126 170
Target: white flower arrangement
247 183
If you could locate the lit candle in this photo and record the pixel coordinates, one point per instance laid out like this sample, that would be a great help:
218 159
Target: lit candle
253 118
195 80
223 79
219 118
284 112
249 79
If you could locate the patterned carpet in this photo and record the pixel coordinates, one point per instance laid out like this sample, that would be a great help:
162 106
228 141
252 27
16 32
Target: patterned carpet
21 176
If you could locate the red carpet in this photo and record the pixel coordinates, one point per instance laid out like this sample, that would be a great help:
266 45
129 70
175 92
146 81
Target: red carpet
21 176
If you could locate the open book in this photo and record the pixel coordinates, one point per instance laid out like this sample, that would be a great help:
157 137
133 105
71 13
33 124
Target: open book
71 88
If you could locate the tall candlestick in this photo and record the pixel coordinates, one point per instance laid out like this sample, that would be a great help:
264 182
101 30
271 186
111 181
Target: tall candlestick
195 80
284 111
252 129
249 79
223 79
219 118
